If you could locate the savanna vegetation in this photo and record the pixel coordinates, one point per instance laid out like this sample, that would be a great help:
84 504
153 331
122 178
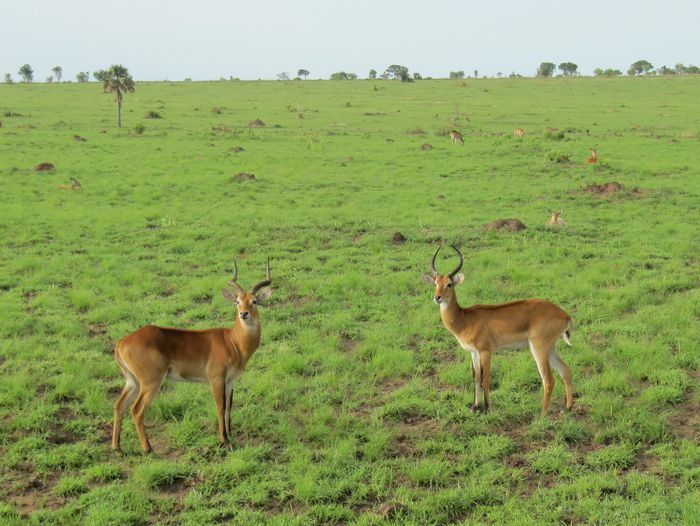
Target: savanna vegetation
356 407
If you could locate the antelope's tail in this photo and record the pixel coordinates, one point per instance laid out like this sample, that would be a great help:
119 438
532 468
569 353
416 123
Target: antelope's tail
567 335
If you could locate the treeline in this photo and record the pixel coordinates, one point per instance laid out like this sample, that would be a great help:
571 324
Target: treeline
399 72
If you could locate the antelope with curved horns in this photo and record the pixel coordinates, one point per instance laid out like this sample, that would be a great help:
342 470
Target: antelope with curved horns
483 329
151 354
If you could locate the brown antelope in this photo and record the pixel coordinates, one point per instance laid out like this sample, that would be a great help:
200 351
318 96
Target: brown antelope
456 137
74 186
483 329
519 133
593 158
555 218
151 354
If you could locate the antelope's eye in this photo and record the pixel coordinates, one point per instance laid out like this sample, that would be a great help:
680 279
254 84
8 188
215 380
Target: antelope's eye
255 302
449 285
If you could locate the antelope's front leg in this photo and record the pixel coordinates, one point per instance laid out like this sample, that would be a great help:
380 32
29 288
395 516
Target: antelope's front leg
476 376
229 404
218 389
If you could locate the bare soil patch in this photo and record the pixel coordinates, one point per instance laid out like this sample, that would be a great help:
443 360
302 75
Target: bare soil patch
44 167
508 225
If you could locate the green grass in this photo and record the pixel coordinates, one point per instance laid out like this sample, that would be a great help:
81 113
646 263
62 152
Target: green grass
355 409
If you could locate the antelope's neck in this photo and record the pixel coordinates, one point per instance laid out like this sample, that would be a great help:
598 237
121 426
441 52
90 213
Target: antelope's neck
453 317
246 337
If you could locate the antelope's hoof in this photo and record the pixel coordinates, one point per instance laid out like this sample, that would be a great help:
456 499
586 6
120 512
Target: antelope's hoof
476 408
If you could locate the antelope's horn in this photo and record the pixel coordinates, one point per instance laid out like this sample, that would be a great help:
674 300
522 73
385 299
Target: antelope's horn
461 262
265 282
433 270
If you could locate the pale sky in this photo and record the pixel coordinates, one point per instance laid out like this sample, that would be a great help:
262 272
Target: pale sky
209 39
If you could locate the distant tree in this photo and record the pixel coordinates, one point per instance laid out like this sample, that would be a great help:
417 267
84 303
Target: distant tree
667 71
417 76
397 71
8 79
546 69
686 70
99 75
609 72
82 76
342 75
117 79
476 73
457 74
283 76
303 73
27 73
641 67
514 75
372 74
49 80
568 69
499 74
58 73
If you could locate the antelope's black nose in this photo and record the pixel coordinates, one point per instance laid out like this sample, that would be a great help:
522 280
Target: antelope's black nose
244 315
438 299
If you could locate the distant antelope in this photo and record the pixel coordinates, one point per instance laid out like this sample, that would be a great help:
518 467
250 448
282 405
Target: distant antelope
74 186
555 219
151 354
519 133
456 137
593 158
484 329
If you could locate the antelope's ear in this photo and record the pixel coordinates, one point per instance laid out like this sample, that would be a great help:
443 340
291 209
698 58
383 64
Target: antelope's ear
263 294
229 295
457 279
427 278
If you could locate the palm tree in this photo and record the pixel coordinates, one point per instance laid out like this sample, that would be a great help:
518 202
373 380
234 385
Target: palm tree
117 79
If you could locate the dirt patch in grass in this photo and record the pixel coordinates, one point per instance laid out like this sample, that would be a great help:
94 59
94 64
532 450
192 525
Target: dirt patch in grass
398 237
236 149
426 146
97 329
58 433
244 176
507 225
44 167
686 420
603 189
257 123
78 138
347 342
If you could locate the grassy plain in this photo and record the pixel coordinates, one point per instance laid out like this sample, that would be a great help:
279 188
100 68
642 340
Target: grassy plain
355 410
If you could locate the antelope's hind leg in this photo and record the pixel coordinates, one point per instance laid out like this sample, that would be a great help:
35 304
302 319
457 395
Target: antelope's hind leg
541 353
565 372
129 392
138 410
